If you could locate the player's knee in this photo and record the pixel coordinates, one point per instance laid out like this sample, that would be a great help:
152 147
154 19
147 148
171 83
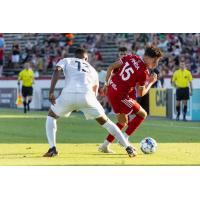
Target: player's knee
52 114
142 114
102 120
122 119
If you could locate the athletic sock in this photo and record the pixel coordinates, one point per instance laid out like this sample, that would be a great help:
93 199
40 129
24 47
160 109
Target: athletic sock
133 125
51 128
110 137
184 111
178 109
24 103
112 128
28 104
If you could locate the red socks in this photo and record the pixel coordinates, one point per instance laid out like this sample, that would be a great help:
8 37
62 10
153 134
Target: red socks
134 124
110 137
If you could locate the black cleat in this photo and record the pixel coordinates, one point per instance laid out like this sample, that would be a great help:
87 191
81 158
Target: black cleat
52 152
131 151
177 118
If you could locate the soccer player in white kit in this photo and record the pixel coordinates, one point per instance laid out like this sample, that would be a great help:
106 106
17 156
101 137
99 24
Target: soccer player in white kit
79 93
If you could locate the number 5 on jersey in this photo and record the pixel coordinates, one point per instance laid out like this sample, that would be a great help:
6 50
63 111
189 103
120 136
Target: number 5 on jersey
126 72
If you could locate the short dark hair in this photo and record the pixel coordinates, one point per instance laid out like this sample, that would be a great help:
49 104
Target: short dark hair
153 52
80 52
122 49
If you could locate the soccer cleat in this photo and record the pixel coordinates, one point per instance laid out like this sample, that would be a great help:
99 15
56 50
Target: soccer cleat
105 149
51 152
131 151
177 118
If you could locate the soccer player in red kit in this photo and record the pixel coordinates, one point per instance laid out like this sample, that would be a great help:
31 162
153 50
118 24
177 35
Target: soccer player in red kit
130 72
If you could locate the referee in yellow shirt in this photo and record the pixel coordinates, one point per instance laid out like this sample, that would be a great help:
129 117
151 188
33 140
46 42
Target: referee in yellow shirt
182 80
27 78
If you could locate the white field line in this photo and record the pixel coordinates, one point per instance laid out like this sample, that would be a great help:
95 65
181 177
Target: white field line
171 125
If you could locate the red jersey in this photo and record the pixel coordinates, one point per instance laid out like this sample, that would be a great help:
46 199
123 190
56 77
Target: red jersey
132 72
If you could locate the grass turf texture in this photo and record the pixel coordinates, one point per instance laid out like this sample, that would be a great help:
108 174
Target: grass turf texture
23 142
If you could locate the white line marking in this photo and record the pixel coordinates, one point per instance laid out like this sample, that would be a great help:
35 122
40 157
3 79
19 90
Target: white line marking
171 125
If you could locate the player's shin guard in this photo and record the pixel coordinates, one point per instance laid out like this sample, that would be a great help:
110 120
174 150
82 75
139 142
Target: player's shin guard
51 128
133 125
112 128
110 137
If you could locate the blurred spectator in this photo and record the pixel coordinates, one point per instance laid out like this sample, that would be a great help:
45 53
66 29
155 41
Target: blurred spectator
140 51
69 39
2 46
15 54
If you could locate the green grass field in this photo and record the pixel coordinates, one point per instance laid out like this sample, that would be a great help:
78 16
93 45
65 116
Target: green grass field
23 142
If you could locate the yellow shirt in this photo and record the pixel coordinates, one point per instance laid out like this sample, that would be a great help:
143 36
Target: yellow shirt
182 78
27 77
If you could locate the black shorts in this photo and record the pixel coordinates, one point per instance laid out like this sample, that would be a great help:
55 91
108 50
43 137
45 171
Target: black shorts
182 94
27 91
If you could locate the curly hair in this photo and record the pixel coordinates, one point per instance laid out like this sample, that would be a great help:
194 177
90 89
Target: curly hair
153 52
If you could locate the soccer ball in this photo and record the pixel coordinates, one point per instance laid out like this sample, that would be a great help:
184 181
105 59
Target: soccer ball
148 145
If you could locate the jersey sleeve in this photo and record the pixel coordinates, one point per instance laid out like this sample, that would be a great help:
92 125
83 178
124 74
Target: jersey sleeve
143 77
190 76
62 63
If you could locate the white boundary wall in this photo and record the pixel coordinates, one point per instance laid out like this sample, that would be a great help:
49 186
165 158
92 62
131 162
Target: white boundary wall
39 84
195 83
43 83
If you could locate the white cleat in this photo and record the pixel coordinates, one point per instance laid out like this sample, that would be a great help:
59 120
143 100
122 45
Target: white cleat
105 149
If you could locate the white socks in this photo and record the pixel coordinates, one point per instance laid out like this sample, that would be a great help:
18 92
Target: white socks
51 128
126 136
106 143
112 128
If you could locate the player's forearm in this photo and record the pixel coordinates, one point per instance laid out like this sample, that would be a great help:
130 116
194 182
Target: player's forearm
54 80
108 75
145 90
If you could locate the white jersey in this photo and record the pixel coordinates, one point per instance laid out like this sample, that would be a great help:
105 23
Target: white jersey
80 76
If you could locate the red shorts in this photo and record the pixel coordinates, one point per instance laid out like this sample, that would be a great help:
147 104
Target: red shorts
124 105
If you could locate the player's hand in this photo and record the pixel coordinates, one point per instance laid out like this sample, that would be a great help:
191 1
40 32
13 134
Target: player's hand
52 98
105 89
153 78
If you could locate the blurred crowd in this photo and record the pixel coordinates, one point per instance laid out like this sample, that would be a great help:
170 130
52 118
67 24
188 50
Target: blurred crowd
44 54
41 54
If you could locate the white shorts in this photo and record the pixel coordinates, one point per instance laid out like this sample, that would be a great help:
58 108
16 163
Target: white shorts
87 103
